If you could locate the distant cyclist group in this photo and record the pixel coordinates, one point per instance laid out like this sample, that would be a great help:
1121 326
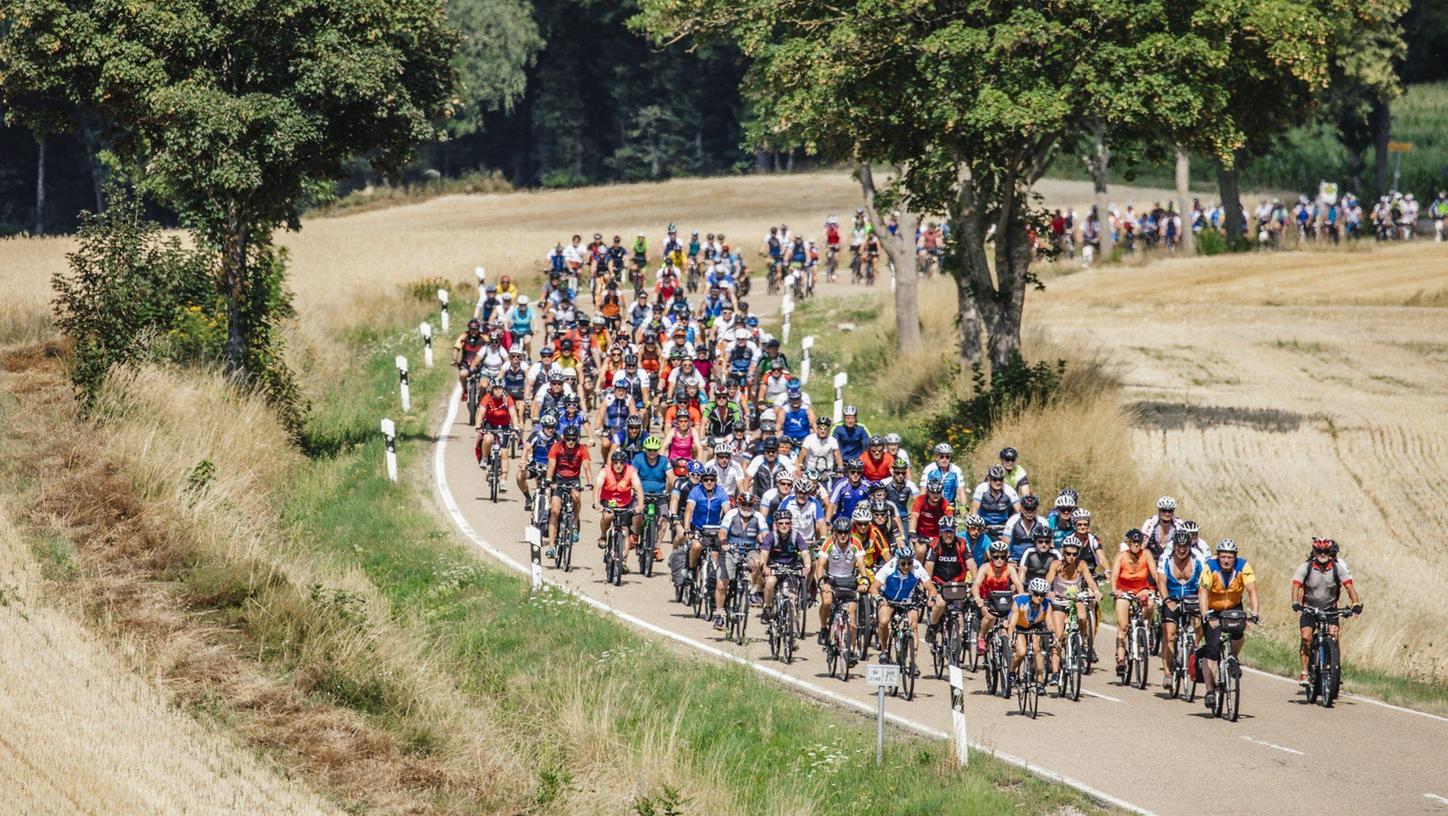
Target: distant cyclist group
716 466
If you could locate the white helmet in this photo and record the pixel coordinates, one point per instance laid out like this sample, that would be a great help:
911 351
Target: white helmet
522 300
1080 513
1226 545
1064 501
862 514
1166 503
1037 586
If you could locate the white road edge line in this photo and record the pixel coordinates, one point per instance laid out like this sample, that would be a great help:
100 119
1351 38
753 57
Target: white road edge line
1274 745
1435 797
450 504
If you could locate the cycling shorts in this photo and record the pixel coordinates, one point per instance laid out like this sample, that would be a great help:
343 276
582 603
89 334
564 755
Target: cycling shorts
566 481
1038 628
1186 611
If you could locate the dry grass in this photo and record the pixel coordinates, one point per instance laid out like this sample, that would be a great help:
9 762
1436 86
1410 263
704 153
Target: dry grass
1288 396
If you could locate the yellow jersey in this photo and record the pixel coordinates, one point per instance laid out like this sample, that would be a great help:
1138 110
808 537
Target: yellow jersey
1218 591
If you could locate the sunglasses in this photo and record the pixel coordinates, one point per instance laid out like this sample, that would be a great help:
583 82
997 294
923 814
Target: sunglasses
997 558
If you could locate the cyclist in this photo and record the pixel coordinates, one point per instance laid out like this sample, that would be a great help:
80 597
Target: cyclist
1201 550
540 442
614 412
465 352
1178 582
782 547
1134 573
572 415
1223 583
1160 528
631 439
765 469
877 461
499 417
871 541
618 487
1016 477
899 490
682 439
976 537
567 463
838 572
704 510
655 476
896 583
892 447
741 529
1439 210
994 500
1022 528
514 377
949 474
1036 562
728 472
1066 576
930 507
686 478
794 417
947 561
996 575
884 520
1319 582
1028 618
850 492
805 510
1082 536
850 434
821 450
1059 519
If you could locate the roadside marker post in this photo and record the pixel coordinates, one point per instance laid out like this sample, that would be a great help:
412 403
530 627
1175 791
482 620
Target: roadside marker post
426 330
881 677
805 345
402 378
482 277
788 309
442 298
389 433
535 543
841 379
957 715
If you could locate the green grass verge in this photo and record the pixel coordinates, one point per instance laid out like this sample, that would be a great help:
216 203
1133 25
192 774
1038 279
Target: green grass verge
531 656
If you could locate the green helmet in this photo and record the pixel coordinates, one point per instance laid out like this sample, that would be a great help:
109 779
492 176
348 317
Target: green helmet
653 443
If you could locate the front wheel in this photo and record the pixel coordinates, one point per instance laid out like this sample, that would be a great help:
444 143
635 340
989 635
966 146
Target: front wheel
906 655
1233 697
1329 672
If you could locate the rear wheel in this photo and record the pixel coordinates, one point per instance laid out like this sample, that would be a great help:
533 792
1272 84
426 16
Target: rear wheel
1233 700
1330 672
972 635
907 665
1140 658
788 645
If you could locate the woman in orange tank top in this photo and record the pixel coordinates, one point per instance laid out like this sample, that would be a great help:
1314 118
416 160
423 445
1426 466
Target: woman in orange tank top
1134 573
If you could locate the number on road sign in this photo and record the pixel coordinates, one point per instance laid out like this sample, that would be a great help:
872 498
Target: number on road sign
878 675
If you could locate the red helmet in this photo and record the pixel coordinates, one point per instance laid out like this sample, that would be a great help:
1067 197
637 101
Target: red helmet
1324 545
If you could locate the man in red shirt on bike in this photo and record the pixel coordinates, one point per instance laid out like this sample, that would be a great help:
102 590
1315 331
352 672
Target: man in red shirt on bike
618 487
498 418
567 461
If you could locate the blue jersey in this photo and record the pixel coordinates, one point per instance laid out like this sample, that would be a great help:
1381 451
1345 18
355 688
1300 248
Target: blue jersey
1176 588
796 424
522 320
852 440
615 413
708 507
566 422
845 496
897 587
979 547
1035 614
654 477
540 443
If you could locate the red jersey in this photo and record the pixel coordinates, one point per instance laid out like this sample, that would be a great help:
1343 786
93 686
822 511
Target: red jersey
616 487
989 580
568 463
877 471
497 413
928 514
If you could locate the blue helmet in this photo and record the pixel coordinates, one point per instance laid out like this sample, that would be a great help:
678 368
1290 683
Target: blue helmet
695 468
751 321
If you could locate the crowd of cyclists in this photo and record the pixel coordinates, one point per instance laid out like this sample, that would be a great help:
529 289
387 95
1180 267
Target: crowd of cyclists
714 461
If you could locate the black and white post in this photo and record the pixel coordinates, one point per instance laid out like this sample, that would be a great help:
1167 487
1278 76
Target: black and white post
840 380
442 310
402 378
535 543
482 276
786 308
957 714
389 434
805 345
426 330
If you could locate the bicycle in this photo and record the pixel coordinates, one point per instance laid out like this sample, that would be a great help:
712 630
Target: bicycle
736 603
1184 644
567 529
946 650
865 614
474 394
1028 686
839 651
1229 669
501 437
649 535
1074 658
781 619
832 263
855 262
997 652
616 544
902 647
1138 645
706 574
1324 669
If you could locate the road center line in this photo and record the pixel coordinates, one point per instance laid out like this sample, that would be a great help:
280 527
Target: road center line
1101 696
1274 745
454 512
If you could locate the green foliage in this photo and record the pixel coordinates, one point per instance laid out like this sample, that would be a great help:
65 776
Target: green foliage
1011 387
499 40
667 802
127 286
1211 242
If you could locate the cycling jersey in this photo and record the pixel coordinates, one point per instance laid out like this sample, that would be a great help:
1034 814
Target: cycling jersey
496 413
795 426
901 493
1181 588
1016 477
521 320
681 446
763 474
1133 578
991 580
928 513
995 506
631 445
877 470
1035 564
617 487
568 421
897 587
851 441
1159 536
616 412
515 381
492 359
979 546
1027 614
1022 535
874 546
568 462
653 477
846 495
469 345
950 560
708 507
1222 589
1322 587
741 531
1089 547
729 475
805 515
786 552
840 561
1060 524
819 452
540 443
950 476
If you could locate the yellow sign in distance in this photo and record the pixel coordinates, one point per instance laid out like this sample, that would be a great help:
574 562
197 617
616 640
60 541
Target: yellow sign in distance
1400 147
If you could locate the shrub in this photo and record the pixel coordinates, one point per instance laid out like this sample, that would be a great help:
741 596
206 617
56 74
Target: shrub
1015 386
1211 242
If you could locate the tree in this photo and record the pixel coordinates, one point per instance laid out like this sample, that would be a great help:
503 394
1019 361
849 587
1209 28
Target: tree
1362 81
499 40
228 111
900 249
970 99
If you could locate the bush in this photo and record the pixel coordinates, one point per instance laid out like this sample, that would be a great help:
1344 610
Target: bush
1015 386
1211 242
128 285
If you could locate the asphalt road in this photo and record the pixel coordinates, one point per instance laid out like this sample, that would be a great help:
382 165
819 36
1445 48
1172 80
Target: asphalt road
1138 747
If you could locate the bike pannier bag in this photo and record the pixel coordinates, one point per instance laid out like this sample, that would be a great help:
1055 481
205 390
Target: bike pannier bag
679 565
1000 602
1234 621
954 592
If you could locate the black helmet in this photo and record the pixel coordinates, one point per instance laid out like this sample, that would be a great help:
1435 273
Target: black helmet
771 443
841 524
571 433
1134 535
855 466
1043 533
879 506
1009 454
619 455
1030 502
1182 537
475 325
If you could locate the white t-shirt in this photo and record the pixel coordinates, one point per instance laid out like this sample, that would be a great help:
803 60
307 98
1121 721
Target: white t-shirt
819 453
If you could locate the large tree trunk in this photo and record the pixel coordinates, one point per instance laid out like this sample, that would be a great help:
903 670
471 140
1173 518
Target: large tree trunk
1227 181
761 161
900 249
234 275
1100 160
1184 204
1382 131
40 184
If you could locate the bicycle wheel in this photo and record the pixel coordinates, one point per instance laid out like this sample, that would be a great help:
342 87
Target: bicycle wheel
788 645
646 549
1024 683
1233 701
1003 666
493 475
1078 657
1331 672
953 656
774 636
972 634
1033 699
1142 659
742 591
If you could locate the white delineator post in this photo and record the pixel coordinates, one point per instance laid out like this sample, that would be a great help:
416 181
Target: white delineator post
426 330
389 434
957 714
787 308
442 310
402 378
840 380
482 276
805 345
535 542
